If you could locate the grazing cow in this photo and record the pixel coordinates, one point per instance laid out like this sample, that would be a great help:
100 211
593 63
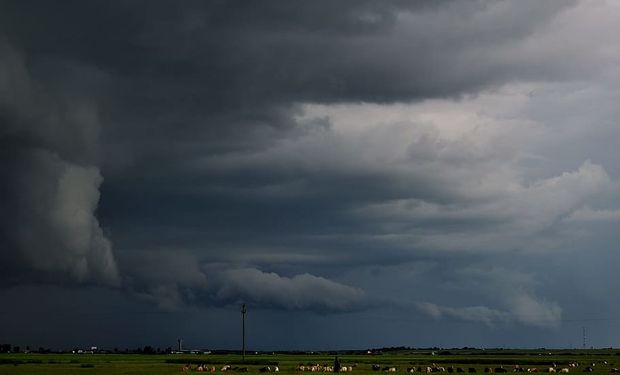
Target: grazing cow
615 369
471 370
564 370
534 369
411 370
265 369
243 369
588 369
225 368
500 370
459 369
488 370
551 369
376 367
428 369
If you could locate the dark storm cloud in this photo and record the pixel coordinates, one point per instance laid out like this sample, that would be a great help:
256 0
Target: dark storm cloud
228 74
51 181
194 126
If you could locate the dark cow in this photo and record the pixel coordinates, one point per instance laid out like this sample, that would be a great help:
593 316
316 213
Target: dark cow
471 370
376 367
588 369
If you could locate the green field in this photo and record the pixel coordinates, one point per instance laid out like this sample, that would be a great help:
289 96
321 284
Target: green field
288 363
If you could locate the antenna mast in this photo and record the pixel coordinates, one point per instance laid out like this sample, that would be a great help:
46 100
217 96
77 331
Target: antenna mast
584 337
243 311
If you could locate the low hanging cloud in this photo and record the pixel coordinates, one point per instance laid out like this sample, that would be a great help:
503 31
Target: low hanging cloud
300 292
509 296
524 309
480 314
50 190
587 214
173 279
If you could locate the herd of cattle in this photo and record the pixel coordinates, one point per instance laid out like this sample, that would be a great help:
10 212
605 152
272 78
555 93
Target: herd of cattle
553 368
205 368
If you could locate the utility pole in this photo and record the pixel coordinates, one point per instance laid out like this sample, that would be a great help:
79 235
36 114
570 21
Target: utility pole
243 311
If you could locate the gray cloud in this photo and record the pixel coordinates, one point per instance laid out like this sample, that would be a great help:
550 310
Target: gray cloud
527 311
316 156
300 292
51 190
174 279
510 295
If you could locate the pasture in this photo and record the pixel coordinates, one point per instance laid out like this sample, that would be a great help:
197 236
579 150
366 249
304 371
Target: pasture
453 361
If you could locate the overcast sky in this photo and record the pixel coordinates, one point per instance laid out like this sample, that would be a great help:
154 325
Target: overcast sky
360 173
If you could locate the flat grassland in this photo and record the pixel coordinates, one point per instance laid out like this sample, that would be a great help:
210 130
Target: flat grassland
600 361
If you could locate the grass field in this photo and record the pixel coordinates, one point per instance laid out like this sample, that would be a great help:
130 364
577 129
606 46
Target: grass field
288 363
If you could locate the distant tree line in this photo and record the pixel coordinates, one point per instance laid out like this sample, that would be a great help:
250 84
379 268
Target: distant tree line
148 349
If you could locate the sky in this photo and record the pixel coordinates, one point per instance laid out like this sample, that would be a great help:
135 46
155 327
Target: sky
359 173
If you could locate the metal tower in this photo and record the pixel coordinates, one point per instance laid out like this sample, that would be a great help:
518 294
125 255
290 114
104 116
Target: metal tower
244 310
